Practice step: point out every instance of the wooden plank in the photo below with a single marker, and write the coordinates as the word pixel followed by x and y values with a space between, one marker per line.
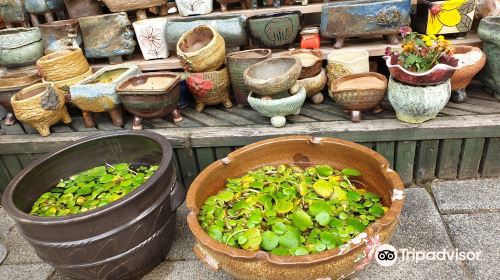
pixel 249 114
pixel 187 122
pixel 14 129
pixel 473 108
pixel 77 124
pixel 485 103
pixel 187 164
pixel 478 92
pixel 331 108
pixel 367 144
pixel 455 112
pixel 205 157
pixel 104 123
pixel 299 119
pixel 60 128
pixel 237 120
pixel 386 149
pixel 490 166
pixel 29 129
pixel 12 164
pixel 448 158
pixel 222 152
pixel 4 176
pixel 405 160
pixel 26 159
pixel 425 162
pixel 158 123
pixel 203 118
pixel 470 158
pixel 319 115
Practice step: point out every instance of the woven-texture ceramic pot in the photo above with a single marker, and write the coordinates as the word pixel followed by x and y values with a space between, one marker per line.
pixel 473 60
pixel 62 65
pixel 489 32
pixel 210 88
pixel 417 104
pixel 20 46
pixel 337 263
pixel 201 49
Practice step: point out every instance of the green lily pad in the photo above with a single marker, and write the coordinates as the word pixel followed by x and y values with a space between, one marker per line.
pixel 324 170
pixel 376 211
pixel 253 239
pixel 323 188
pixel 323 218
pixel 283 206
pixel 301 220
pixel 270 240
pixel 350 172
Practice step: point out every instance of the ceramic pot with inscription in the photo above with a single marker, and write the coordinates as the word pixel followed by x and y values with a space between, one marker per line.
pixel 274 30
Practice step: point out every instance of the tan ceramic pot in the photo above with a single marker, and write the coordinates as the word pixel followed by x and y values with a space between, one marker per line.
pixel 473 59
pixel 303 151
pixel 312 62
pixel 272 76
pixel 314 86
pixel 210 88
pixel 62 65
pixel 201 49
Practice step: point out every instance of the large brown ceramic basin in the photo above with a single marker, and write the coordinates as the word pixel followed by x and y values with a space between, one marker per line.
pixel 304 151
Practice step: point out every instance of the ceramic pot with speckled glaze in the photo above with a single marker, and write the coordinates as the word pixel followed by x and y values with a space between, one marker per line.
pixel 210 88
pixel 20 46
pixel 275 30
pixel 489 32
pixel 417 104
pixel 44 8
pixel 304 151
pixel 472 61
pixel 13 13
pixel 61 35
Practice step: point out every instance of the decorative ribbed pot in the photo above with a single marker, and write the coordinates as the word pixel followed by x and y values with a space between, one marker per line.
pixel 13 13
pixel 61 35
pixel 152 37
pixel 83 8
pixel 417 104
pixel 20 46
pixel 488 31
pixel 194 7
pixel 210 88
pixel 237 63
pixel 44 8
pixel 97 93
pixel 314 86
pixel 274 30
pixel 201 49
pixel 40 106
pixel 107 36
pixel 472 61
pixel 62 65
pixel 151 96
pixel 139 6
pixel 338 263
pixel 10 84
pixel 312 61
pixel 121 240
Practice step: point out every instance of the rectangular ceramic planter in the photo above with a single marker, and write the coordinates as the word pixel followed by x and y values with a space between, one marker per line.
pixel 152 37
pixel 275 30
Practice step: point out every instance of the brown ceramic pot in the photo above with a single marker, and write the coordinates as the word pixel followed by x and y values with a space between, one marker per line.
pixel 303 151
pixel 60 35
pixel 314 86
pixel 10 84
pixel 473 59
pixel 83 8
pixel 312 61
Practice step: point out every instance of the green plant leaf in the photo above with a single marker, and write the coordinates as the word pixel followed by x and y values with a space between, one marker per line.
pixel 376 210
pixel 354 196
pixel 351 172
pixel 323 218
pixel 324 170
pixel 270 240
pixel 279 228
pixel 283 206
pixel 253 239
pixel 356 224
pixel 290 239
pixel 301 220
pixel 301 251
pixel 106 178
pixel 319 206
pixel 323 188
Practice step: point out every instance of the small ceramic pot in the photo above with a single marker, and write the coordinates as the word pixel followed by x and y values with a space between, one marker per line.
pixel 139 6
pixel 40 106
pixel 312 62
pixel 107 36
pixel 62 65
pixel 488 31
pixel 10 84
pixel 194 7
pixel 45 8
pixel 359 92
pixel 346 62
pixel 237 63
pixel 274 30
pixel 417 104
pixel 440 73
pixel 97 93
pixel 20 46
pixel 210 88
pixel 201 49
pixel 472 61
pixel 272 76
pixel 245 4
pixel 151 96
pixel 314 86
pixel 277 109
pixel 83 8
pixel 63 86
pixel 310 38
pixel 341 20
pixel 12 12
pixel 152 37
pixel 61 35
pixel 230 27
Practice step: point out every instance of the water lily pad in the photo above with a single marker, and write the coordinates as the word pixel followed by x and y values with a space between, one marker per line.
pixel 323 218
pixel 270 240
pixel 324 170
pixel 323 188
pixel 376 210
pixel 301 220
pixel 283 206
pixel 253 239
pixel 279 228
pixel 350 172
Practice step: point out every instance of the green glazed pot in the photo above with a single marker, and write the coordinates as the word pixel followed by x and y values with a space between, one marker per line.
pixel 20 46
pixel 274 30
pixel 489 32
pixel 417 104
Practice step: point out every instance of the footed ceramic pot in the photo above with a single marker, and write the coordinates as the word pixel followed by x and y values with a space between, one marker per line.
pixel 210 88
pixel 304 151
pixel 10 84
pixel 97 93
pixel 152 37
pixel 488 31
pixel 83 8
pixel 62 65
pixel 139 6
pixel 288 103
pixel 312 61
pixel 237 63
pixel 40 106
pixel 13 13
pixel 314 86
pixel 472 61
pixel 201 49
pixel 63 86
pixel 151 96
pixel 417 104
pixel 346 62
pixel 20 46
pixel 61 35
pixel 194 7
pixel 345 19
pixel 274 30
pixel 46 8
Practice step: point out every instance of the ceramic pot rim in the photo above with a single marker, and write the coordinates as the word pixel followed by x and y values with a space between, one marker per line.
pixel 205 48
pixel 275 14
pixel 207 17
pixel 58 55
pixel 330 57
pixel 317 53
pixel 440 66
pixel 468 49
pixel 59 23
pixel 128 66
pixel 175 81
pixel 202 237
pixel 35 36
pixel 146 20
pixel 86 19
pixel 77 78
pixel 30 88
pixel 334 85
pixel 266 52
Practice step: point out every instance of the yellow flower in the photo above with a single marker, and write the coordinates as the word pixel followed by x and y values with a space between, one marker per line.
pixel 445 14
pixel 428 43
pixel 441 38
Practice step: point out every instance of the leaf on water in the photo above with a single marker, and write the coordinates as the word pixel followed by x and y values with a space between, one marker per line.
pixel 354 196
pixel 279 228
pixel 270 240
pixel 323 218
pixel 301 220
pixel 324 170
pixel 253 239
pixel 323 188
pixel 283 206
pixel 376 210
pixel 350 172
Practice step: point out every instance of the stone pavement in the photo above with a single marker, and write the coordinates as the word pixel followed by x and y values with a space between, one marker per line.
pixel 450 215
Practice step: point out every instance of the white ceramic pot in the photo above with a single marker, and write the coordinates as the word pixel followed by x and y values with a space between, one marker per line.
pixel 346 62
pixel 194 7
pixel 152 37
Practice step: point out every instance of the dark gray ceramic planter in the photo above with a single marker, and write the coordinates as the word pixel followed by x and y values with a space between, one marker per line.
pixel 489 32
pixel 275 30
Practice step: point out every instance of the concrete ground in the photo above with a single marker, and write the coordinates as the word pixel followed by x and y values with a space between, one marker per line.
pixel 449 215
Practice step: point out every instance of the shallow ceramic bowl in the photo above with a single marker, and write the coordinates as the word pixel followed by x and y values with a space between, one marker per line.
pixel 20 46
pixel 351 97
pixel 473 59
pixel 273 76
pixel 437 75
pixel 310 68
pixel 304 151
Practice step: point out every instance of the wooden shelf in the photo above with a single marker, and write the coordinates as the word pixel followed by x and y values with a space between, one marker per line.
pixel 375 47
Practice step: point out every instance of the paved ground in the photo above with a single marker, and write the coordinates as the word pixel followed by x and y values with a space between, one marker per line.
pixel 450 215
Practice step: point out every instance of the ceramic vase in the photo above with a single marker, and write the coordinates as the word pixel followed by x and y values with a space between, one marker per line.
pixel 274 30
pixel 46 8
pixel 83 8
pixel 194 7
pixel 489 32
pixel 61 35
pixel 13 13
pixel 20 46
pixel 345 62
pixel 152 37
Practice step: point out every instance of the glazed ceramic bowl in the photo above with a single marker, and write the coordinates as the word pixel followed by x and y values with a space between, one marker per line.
pixel 201 49
pixel 472 61
pixel 274 30
pixel 304 151
pixel 312 61
pixel 20 46
pixel 314 86
pixel 273 76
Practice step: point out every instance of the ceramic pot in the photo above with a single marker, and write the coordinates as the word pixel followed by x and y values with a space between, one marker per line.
pixel 63 86
pixel 486 8
pixel 345 19
pixel 310 38
pixel 303 151
pixel 107 36
pixel 151 96
pixel 245 4
pixel 210 88
pixel 417 104
pixel 488 31
pixel 10 84
pixel 472 61
pixel 40 106
pixel 122 240
pixel 444 17
pixel 359 92
pixel 45 8
pixel 273 76
pixel 314 86
pixel 97 93
pixel 130 5
pixel 346 62
pixel 61 35
pixel 274 30
pixel 237 63
pixel 230 27
pixel 83 8
pixel 194 7
pixel 201 49
pixel 12 12
pixel 152 37
pixel 312 62
pixel 20 46
pixel 62 65
pixel 277 109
